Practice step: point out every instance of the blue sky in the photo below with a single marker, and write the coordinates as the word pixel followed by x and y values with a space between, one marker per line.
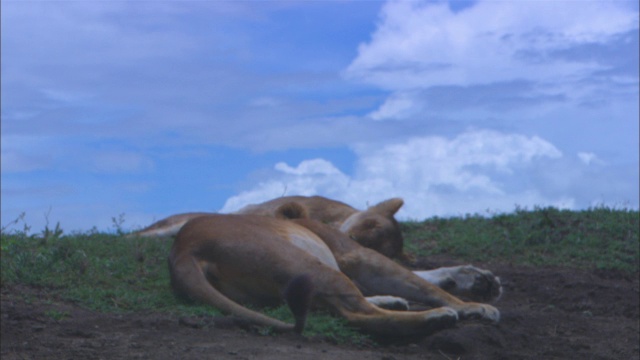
pixel 150 108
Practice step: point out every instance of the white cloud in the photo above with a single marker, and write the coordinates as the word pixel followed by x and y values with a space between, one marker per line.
pixel 435 175
pixel 309 167
pixel 538 52
pixel 587 157
pixel 121 162
pixel 432 161
pixel 420 44
pixel 397 106
pixel 308 178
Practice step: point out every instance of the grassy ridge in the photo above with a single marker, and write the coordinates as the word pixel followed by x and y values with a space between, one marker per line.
pixel 595 238
pixel 108 272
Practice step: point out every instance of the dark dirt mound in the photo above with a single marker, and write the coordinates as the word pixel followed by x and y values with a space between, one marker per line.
pixel 547 313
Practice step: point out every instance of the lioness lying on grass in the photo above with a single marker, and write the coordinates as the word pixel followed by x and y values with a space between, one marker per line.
pixel 375 228
pixel 228 260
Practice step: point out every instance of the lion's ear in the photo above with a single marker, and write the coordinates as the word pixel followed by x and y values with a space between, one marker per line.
pixel 291 210
pixel 388 207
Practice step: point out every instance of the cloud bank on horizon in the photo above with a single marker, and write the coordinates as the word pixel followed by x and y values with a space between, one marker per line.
pixel 434 174
pixel 150 109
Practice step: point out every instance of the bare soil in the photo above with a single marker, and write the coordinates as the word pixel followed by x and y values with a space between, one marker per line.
pixel 547 313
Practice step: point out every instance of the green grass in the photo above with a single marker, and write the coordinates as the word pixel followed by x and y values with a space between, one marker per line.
pixel 110 273
pixel 601 238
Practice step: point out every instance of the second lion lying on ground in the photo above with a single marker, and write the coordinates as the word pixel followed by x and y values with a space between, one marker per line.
pixel 229 260
pixel 374 228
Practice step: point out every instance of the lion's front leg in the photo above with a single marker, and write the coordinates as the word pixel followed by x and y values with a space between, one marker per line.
pixel 374 274
pixel 465 281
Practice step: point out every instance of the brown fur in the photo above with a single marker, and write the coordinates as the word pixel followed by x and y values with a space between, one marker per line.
pixel 225 260
pixel 375 228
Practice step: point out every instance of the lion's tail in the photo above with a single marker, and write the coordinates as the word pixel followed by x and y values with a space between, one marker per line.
pixel 298 295
pixel 187 278
pixel 167 227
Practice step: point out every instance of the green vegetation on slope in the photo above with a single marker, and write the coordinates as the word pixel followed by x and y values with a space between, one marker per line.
pixel 596 238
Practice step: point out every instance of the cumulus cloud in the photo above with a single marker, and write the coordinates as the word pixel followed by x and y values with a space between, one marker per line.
pixel 432 161
pixel 435 175
pixel 420 44
pixel 310 177
pixel 549 46
pixel 309 167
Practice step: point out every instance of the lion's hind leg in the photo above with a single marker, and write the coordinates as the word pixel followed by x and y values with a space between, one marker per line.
pixel 188 279
pixel 403 323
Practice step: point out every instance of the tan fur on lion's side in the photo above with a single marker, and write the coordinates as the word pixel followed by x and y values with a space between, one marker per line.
pixel 375 228
pixel 229 260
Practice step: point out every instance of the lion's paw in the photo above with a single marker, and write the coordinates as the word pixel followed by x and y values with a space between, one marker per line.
pixel 472 283
pixel 389 302
pixel 479 312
